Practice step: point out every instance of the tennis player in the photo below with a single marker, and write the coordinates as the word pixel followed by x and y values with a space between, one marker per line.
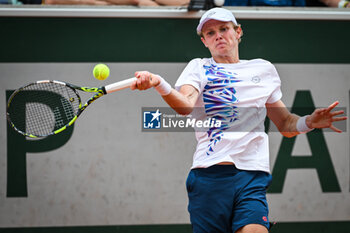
pixel 230 172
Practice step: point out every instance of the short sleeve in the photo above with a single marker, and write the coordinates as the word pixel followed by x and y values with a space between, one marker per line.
pixel 191 75
pixel 276 93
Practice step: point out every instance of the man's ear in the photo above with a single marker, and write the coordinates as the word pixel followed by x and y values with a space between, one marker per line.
pixel 239 32
pixel 204 42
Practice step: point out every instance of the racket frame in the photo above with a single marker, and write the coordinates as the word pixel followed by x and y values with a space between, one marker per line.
pixel 100 91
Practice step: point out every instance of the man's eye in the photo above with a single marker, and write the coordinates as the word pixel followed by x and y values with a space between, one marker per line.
pixel 223 29
pixel 210 33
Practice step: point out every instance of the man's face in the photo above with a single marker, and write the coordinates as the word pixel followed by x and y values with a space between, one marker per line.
pixel 220 37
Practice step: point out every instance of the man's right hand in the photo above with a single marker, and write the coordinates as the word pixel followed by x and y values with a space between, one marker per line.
pixel 145 80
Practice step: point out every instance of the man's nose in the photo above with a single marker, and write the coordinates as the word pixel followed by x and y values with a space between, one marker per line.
pixel 218 36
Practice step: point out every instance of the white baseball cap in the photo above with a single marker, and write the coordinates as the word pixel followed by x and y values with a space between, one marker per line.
pixel 216 13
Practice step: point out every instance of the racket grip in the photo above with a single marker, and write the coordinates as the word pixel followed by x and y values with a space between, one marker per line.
pixel 119 85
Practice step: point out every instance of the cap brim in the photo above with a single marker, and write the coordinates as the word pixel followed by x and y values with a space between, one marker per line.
pixel 201 24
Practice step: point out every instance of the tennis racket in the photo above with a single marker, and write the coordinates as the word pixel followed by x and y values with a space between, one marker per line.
pixel 48 107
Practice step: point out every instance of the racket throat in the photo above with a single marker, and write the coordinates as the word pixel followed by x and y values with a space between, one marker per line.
pixel 104 90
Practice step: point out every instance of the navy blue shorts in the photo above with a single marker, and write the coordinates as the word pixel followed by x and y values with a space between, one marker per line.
pixel 223 198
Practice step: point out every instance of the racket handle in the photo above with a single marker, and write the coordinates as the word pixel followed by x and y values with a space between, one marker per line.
pixel 119 85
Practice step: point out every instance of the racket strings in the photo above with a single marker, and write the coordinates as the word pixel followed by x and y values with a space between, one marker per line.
pixel 42 108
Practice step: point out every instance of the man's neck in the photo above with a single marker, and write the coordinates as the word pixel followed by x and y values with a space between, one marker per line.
pixel 226 59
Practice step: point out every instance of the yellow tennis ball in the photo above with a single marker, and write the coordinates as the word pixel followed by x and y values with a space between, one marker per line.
pixel 101 71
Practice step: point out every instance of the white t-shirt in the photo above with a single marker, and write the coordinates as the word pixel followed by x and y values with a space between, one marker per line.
pixel 234 94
